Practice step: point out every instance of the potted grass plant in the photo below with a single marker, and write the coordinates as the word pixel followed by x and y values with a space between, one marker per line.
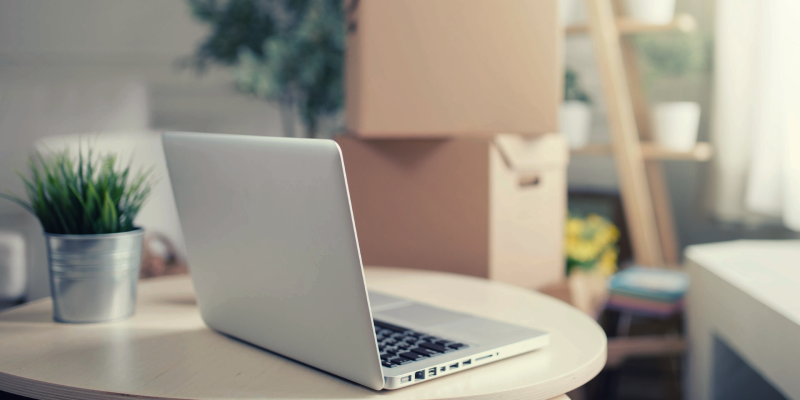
pixel 87 206
pixel 575 114
pixel 667 58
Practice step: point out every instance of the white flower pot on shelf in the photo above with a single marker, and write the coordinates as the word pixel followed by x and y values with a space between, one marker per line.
pixel 575 118
pixel 656 12
pixel 675 124
pixel 572 12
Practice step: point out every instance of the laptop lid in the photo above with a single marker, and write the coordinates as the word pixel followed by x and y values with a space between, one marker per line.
pixel 272 247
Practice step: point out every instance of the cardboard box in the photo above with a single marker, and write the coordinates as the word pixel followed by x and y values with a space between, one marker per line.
pixel 488 207
pixel 421 68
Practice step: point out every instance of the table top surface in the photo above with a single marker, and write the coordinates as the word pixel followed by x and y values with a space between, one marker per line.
pixel 766 270
pixel 165 350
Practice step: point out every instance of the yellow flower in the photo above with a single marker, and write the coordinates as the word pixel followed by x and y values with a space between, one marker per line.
pixel 575 227
pixel 592 241
pixel 607 264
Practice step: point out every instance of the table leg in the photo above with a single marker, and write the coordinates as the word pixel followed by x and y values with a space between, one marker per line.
pixel 697 376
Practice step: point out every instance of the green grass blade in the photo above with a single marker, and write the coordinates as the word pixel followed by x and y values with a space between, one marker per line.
pixel 84 195
pixel 19 201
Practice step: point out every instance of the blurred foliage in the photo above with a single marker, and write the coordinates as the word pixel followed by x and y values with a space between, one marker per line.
pixel 591 243
pixel 673 54
pixel 291 51
pixel 83 196
pixel 572 87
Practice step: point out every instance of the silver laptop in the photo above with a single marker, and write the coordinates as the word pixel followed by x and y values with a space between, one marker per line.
pixel 275 262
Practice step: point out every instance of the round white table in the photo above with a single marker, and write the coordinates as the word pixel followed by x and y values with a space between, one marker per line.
pixel 165 350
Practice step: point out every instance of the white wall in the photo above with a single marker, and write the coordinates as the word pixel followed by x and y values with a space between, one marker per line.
pixel 131 38
pixel 96 27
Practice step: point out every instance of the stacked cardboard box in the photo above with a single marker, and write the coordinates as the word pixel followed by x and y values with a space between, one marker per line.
pixel 430 87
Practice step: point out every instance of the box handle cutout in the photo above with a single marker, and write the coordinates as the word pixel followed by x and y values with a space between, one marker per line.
pixel 529 181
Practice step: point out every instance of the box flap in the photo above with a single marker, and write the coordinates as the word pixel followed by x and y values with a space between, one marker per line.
pixel 533 153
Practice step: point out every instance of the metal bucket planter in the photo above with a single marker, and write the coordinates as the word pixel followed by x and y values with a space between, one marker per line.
pixel 93 277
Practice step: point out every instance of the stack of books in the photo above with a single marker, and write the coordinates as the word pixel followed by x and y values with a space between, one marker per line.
pixel 648 291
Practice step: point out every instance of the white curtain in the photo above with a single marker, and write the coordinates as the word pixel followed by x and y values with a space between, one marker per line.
pixel 756 118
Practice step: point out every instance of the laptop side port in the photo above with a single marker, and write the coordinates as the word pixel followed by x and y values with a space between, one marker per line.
pixel 483 358
pixel 454 366
pixel 431 371
pixel 419 375
pixel 405 379
pixel 442 369
pixel 466 362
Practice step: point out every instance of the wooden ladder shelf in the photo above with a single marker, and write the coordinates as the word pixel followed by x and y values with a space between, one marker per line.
pixel 645 197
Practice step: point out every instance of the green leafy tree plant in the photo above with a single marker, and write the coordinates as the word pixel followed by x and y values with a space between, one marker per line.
pixel 90 195
pixel 290 51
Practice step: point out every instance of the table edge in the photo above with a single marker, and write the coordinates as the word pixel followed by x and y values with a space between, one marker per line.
pixel 33 388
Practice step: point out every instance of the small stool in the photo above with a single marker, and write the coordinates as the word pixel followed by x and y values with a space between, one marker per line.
pixel 656 296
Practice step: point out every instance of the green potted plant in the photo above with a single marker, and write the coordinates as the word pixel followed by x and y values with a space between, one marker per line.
pixel 87 207
pixel 287 51
pixel 575 115
pixel 671 56
pixel 590 245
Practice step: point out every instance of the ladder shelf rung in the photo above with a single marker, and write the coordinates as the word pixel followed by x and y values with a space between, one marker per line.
pixel 626 26
pixel 651 151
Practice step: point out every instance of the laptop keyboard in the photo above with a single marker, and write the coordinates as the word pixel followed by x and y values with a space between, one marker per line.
pixel 400 345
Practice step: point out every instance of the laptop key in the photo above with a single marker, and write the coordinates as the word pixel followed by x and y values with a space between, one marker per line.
pixel 412 356
pixel 384 325
pixel 424 351
pixel 393 339
pixel 398 360
pixel 429 345
pixel 387 364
